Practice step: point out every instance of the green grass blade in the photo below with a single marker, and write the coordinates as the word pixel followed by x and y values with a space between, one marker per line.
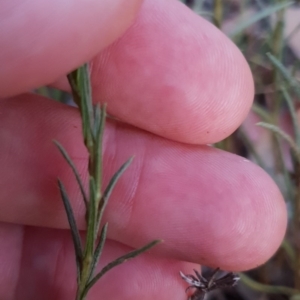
pixel 261 112
pixel 250 147
pixel 293 114
pixel 239 28
pixel 265 288
pixel 290 252
pixel 74 169
pixel 283 135
pixel 286 74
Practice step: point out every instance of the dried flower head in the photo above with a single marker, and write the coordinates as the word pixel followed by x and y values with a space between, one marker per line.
pixel 204 285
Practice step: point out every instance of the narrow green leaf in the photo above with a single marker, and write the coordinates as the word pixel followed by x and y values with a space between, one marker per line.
pixel 99 121
pixel 83 77
pixel 72 223
pixel 99 248
pixel 121 260
pixel 290 251
pixel 239 28
pixel 85 87
pixel 261 112
pixel 72 78
pixel 293 114
pixel 285 73
pixel 113 181
pixel 218 13
pixel 74 169
pixel 100 118
pixel 265 288
pixel 249 145
pixel 116 177
pixel 91 226
pixel 102 124
pixel 81 89
pixel 283 135
pixel 76 92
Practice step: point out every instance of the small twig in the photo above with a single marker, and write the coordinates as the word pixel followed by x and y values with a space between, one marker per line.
pixel 93 121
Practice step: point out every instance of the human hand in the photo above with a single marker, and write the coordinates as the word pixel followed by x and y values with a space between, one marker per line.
pixel 185 84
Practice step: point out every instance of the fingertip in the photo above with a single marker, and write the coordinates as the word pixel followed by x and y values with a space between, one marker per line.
pixel 249 222
pixel 176 75
pixel 43 40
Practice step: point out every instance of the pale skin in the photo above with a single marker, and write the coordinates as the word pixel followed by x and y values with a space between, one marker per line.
pixel 171 74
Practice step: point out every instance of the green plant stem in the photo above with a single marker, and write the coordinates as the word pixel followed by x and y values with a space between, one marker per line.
pixel 93 121
pixel 218 13
pixel 277 46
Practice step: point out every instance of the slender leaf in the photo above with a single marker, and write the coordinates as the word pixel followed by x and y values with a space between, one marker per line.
pixel 75 90
pixel 91 226
pixel 283 135
pixel 265 288
pixel 249 145
pixel 261 112
pixel 290 251
pixel 74 169
pixel 83 77
pixel 121 260
pixel 287 188
pixel 113 181
pixel 99 129
pixel 285 73
pixel 99 248
pixel 239 28
pixel 293 114
pixel 218 12
pixel 72 223
pixel 97 119
pixel 80 84
pixel 73 80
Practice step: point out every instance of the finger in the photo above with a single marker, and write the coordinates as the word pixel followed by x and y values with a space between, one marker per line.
pixel 40 264
pixel 42 40
pixel 176 75
pixel 208 206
